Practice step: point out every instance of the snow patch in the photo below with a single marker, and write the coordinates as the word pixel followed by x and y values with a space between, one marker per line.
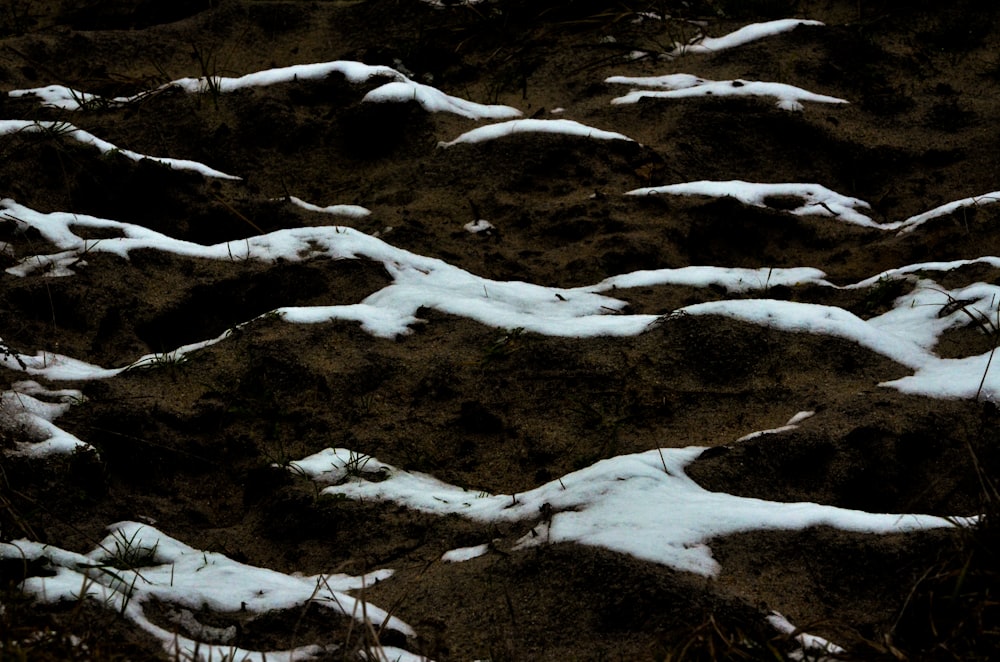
pixel 349 211
pixel 682 86
pixel 165 570
pixel 9 127
pixel 27 412
pixel 562 127
pixel 642 504
pixel 814 199
pixel 810 644
pixel 475 227
pixel 400 88
pixel 465 553
pixel 744 35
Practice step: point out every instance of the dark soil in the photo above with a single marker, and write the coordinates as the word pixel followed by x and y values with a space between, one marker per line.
pixel 192 446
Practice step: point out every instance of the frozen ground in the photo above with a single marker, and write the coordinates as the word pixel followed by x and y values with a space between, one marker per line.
pixel 363 330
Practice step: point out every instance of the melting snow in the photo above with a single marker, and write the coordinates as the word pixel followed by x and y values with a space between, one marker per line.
pixel 816 200
pixel 810 643
pixel 642 504
pixel 9 127
pixel 733 279
pixel 399 89
pixel 945 209
pixel 465 553
pixel 136 564
pixel 451 3
pixel 682 86
pixel 349 211
pixel 27 411
pixel 744 35
pixel 581 312
pixel 475 227
pixel 564 127
pixel 418 281
pixel 792 424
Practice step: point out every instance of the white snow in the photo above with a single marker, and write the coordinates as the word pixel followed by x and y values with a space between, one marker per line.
pixel 820 320
pixel 60 96
pixel 418 281
pixel 399 88
pixel 465 553
pixel 348 211
pixel 909 269
pixel 452 3
pixel 954 378
pixel 819 200
pixel 816 200
pixel 185 578
pixel 57 367
pixel 733 279
pixel 435 101
pixel 27 412
pixel 562 127
pixel 10 127
pixel 945 209
pixel 475 227
pixel 810 643
pixel 642 504
pixel 667 82
pixel 918 314
pixel 906 334
pixel 744 35
pixel 792 424
pixel 682 86
pixel 354 72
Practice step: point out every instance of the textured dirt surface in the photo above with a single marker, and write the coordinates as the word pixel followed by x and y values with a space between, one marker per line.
pixel 193 446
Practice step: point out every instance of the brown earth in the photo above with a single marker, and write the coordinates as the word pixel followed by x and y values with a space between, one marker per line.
pixel 192 446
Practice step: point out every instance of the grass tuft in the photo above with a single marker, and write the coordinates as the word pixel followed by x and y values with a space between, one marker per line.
pixel 953 612
pixel 720 637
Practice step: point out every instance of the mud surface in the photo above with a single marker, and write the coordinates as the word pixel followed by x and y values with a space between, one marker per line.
pixel 192 446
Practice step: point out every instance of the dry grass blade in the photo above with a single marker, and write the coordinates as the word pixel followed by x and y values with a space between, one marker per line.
pixel 235 212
